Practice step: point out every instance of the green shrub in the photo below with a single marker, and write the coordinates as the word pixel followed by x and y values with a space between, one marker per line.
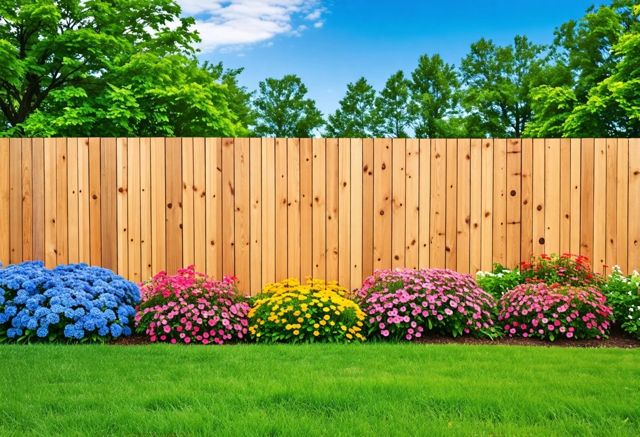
pixel 623 294
pixel 499 281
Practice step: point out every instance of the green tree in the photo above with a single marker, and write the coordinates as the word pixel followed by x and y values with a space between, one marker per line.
pixel 498 81
pixel 433 88
pixel 282 109
pixel 97 67
pixel 356 117
pixel 392 107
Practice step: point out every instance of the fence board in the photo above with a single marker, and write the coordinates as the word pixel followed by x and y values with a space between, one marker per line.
pixel 412 208
pixel 27 200
pixel 344 211
pixel 266 209
pixel 398 198
pixel 38 200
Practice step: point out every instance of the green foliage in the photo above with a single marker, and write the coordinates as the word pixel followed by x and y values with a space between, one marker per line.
pixel 434 85
pixel 551 107
pixel 357 116
pixel 112 68
pixel 499 281
pixel 282 109
pixel 498 81
pixel 392 106
pixel 623 294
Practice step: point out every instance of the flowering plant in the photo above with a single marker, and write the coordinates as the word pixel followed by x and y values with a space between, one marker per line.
pixel 73 302
pixel 554 311
pixel 190 307
pixel 316 311
pixel 565 269
pixel 499 281
pixel 623 294
pixel 405 303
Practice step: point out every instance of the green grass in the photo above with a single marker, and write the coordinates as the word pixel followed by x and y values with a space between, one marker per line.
pixel 374 389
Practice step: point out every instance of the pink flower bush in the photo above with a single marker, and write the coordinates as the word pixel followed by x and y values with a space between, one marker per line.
pixel 190 307
pixel 553 311
pixel 406 304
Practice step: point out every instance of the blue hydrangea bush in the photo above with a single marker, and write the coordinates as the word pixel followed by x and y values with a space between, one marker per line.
pixel 74 303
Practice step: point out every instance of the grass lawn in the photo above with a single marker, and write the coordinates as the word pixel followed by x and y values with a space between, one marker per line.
pixel 373 389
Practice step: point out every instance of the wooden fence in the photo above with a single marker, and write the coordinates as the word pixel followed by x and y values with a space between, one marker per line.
pixel 266 209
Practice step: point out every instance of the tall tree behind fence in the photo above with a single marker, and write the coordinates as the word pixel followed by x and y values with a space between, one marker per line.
pixel 267 209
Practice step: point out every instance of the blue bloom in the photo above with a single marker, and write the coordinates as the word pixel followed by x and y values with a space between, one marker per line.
pixel 42 332
pixel 69 330
pixel 116 330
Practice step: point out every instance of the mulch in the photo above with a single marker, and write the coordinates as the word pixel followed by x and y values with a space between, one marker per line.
pixel 616 339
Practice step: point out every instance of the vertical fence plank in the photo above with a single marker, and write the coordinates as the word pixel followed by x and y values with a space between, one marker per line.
pixel 62 218
pixel 424 234
pixel 242 215
pixel 486 258
pixel 552 196
pixel 475 235
pixel 412 207
pixel 514 194
pixel 438 202
pixel 611 218
pixel 145 210
pixel 622 209
pixel 173 212
pixel 255 193
pixel 95 204
pixel 293 207
pixel 158 205
pixel 634 210
pixel 50 207
pixel 527 205
pixel 367 207
pixel 213 150
pixel 15 200
pixel 5 203
pixel 575 182
pixel 539 152
pixel 134 223
pixel 398 200
pixel 599 204
pixel 72 199
pixel 382 204
pixel 27 200
pixel 344 212
pixel 306 208
pixel 565 196
pixel 268 210
pixel 199 205
pixel 122 175
pixel 499 201
pixel 281 223
pixel 84 240
pixel 188 251
pixel 587 172
pixel 451 205
pixel 319 245
pixel 333 231
pixel 38 199
pixel 463 205
pixel 228 207
pixel 356 214
pixel 108 200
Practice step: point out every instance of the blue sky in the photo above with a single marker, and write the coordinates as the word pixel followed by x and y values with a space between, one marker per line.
pixel 330 43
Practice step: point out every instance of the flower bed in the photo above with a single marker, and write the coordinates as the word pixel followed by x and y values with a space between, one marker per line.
pixel 565 269
pixel 405 304
pixel 316 311
pixel 190 307
pixel 553 311
pixel 70 302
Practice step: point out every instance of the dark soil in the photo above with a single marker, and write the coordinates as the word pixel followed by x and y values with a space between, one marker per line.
pixel 615 340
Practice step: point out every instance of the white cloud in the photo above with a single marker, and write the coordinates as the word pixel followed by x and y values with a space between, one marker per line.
pixel 233 23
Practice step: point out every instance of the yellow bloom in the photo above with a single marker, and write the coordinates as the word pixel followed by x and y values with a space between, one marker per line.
pixel 315 325
pixel 326 317
pixel 296 332
pixel 316 333
pixel 300 320
pixel 349 336
pixel 322 322
pixel 344 328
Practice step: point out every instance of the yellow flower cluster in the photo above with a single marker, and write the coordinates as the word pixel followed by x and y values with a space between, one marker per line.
pixel 288 311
